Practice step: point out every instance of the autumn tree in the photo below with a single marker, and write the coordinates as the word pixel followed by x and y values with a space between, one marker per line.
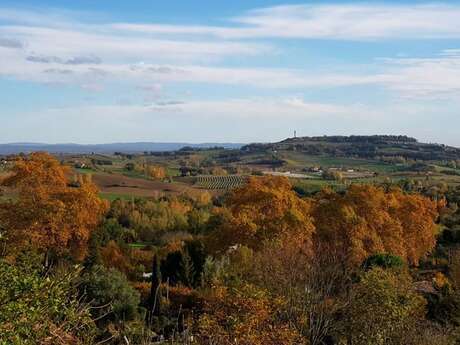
pixel 49 214
pixel 312 287
pixel 219 171
pixel 266 208
pixel 246 316
pixel 417 215
pixel 203 199
pixel 114 257
pixel 368 220
pixel 155 172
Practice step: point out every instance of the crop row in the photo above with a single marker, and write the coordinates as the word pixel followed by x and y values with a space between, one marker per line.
pixel 220 182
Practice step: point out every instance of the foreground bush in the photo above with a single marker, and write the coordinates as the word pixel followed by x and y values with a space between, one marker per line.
pixel 40 309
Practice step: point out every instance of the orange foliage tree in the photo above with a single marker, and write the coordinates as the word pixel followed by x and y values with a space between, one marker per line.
pixel 203 199
pixel 264 209
pixel 246 316
pixel 49 214
pixel 156 172
pixel 368 220
pixel 113 256
pixel 125 259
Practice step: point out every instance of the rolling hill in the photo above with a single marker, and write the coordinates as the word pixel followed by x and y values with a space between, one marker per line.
pixel 370 147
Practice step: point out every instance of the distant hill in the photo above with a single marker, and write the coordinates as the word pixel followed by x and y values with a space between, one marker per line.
pixel 107 148
pixel 375 146
pixel 369 147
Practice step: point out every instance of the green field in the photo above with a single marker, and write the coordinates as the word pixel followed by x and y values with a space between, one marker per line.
pixel 300 160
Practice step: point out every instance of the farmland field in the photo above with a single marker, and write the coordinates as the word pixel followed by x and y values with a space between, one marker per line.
pixel 220 182
pixel 114 185
pixel 298 159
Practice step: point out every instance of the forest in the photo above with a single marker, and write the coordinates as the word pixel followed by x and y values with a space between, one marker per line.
pixel 261 264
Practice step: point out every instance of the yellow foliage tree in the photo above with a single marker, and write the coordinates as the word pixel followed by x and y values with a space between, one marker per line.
pixel 156 172
pixel 264 209
pixel 368 220
pixel 245 316
pixel 49 214
pixel 113 256
pixel 219 171
pixel 204 198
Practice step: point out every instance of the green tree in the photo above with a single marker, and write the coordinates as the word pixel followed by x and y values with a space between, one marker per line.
pixel 383 261
pixel 383 308
pixel 110 295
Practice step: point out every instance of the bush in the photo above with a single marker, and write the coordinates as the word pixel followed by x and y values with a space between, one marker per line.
pixel 383 306
pixel 110 294
pixel 383 261
pixel 444 307
pixel 38 309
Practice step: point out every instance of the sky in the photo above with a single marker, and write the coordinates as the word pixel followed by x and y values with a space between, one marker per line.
pixel 101 71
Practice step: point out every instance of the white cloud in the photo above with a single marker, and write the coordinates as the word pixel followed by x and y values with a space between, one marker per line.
pixel 66 34
pixel 407 77
pixel 425 77
pixel 287 108
pixel 238 108
pixel 36 46
pixel 317 21
pixel 339 21
pixel 139 74
pixel 67 44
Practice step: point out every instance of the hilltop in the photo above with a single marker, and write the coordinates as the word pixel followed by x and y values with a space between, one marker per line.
pixel 369 147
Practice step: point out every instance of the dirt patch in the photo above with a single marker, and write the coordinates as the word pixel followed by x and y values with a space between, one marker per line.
pixel 120 184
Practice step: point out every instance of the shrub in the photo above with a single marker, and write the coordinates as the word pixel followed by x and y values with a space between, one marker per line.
pixel 383 261
pixel 38 309
pixel 110 293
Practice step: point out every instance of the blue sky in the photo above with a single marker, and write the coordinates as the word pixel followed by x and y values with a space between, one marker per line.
pixel 115 71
